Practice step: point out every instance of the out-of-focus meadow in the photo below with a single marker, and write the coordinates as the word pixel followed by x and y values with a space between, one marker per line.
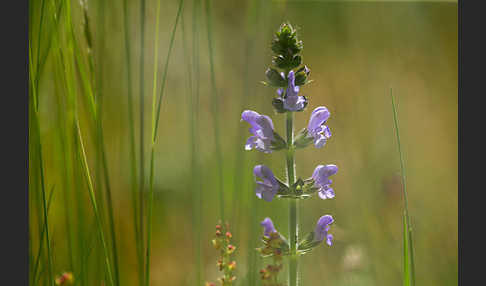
pixel 356 51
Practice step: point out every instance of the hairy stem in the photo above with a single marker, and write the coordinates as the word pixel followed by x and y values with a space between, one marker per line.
pixel 293 204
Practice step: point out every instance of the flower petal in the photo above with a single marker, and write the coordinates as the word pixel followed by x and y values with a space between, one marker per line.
pixel 329 239
pixel 266 126
pixel 329 170
pixel 267 226
pixel 321 229
pixel 263 172
pixel 267 195
pixel 318 117
pixel 320 141
pixel 250 116
pixel 326 193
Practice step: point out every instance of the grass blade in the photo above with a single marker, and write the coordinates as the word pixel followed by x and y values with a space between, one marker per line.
pixel 155 121
pixel 94 203
pixel 42 235
pixel 408 249
pixel 131 130
pixel 96 98
pixel 406 253
pixel 142 133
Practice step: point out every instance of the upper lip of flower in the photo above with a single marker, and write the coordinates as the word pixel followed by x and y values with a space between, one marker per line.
pixel 323 226
pixel 261 125
pixel 268 226
pixel 318 117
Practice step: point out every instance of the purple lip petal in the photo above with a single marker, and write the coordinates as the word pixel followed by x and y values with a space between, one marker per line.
pixel 267 226
pixel 321 176
pixel 268 187
pixel 316 127
pixel 322 227
pixel 262 130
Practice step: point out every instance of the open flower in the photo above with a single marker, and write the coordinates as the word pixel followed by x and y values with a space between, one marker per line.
pixel 269 186
pixel 316 127
pixel 322 227
pixel 268 227
pixel 262 130
pixel 292 101
pixel 321 179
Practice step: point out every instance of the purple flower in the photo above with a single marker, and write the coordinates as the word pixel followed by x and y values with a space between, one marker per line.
pixel 268 227
pixel 322 227
pixel 292 101
pixel 262 130
pixel 316 127
pixel 321 179
pixel 269 186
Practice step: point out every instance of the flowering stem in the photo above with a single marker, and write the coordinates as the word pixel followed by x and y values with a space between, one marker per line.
pixel 293 207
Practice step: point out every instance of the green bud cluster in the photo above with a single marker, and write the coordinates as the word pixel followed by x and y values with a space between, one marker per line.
pixel 286 48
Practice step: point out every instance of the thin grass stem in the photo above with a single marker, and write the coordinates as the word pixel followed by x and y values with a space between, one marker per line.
pixel 215 113
pixel 196 187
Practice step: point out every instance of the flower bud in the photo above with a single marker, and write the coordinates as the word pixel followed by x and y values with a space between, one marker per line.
pixel 232 265
pixel 301 75
pixel 65 279
pixel 216 243
pixel 229 235
pixel 275 78
pixel 231 249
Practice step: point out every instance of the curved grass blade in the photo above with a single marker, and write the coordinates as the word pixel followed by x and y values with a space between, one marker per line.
pixel 42 235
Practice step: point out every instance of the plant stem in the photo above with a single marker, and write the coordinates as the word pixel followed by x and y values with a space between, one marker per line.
pixel 293 207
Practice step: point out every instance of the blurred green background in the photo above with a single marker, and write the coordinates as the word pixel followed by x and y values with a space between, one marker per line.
pixel 356 51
